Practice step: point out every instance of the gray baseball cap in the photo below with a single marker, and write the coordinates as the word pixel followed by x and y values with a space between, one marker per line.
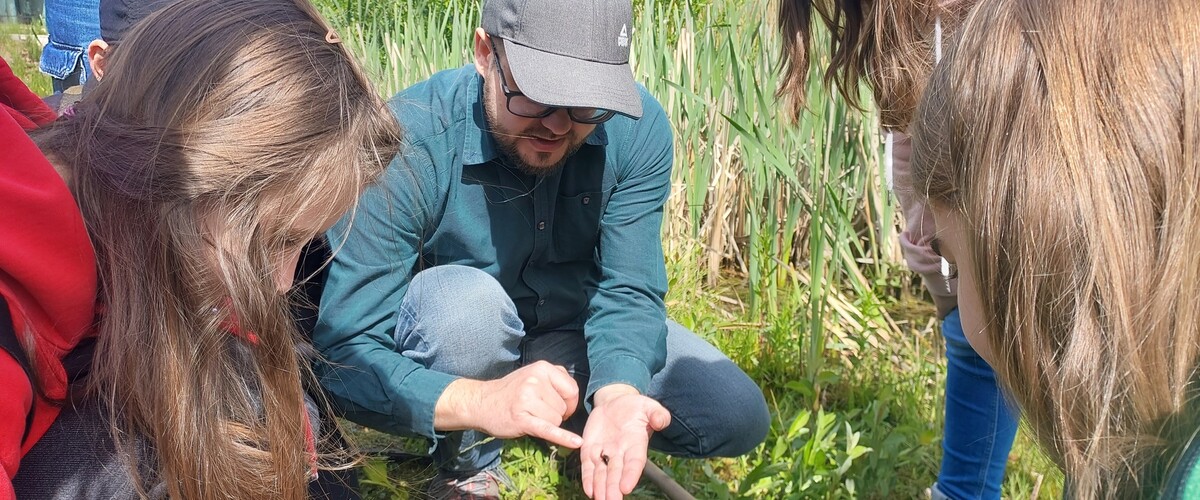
pixel 571 53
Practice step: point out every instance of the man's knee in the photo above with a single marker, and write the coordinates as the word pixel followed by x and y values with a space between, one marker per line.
pixel 459 320
pixel 737 418
pixel 725 423
pixel 748 423
pixel 460 300
pixel 728 413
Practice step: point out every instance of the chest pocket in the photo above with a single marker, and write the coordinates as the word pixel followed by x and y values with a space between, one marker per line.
pixel 577 226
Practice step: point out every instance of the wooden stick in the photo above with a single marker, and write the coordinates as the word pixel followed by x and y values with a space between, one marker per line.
pixel 665 484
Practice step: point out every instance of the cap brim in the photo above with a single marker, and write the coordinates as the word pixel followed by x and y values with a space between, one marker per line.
pixel 556 80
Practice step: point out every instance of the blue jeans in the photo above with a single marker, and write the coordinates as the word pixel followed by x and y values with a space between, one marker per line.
pixel 979 426
pixel 459 320
pixel 72 25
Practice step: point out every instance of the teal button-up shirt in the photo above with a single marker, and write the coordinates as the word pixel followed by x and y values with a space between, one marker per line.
pixel 579 248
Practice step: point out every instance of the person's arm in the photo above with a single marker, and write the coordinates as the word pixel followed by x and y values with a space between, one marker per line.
pixel 626 327
pixel 375 249
pixel 533 400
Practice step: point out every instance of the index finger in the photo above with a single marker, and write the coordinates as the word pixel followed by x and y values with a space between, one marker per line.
pixel 542 429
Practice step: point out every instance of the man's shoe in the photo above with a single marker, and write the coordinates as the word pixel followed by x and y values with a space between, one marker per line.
pixel 483 485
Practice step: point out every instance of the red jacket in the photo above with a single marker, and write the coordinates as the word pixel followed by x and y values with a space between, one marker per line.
pixel 16 101
pixel 47 273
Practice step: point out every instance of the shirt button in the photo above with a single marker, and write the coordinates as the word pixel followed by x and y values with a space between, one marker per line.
pixel 542 302
pixel 587 199
pixel 541 225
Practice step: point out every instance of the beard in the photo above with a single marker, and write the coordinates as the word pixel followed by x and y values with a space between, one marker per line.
pixel 506 140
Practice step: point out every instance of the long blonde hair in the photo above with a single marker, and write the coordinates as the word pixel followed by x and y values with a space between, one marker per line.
pixel 1066 137
pixel 242 112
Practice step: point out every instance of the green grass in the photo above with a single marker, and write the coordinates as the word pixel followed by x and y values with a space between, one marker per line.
pixel 782 251
pixel 20 48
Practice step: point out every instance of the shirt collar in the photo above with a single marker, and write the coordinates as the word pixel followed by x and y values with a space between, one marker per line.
pixel 478 145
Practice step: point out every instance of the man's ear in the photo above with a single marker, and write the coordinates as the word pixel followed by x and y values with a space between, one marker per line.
pixel 97 57
pixel 483 52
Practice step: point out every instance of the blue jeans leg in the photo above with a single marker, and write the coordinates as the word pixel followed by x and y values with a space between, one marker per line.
pixel 716 410
pixel 980 426
pixel 458 320
pixel 72 25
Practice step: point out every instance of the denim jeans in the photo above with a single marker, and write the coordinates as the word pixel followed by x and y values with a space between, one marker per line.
pixel 72 25
pixel 979 426
pixel 459 320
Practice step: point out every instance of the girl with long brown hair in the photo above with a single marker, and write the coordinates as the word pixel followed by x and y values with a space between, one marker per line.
pixel 891 45
pixel 1059 144
pixel 224 136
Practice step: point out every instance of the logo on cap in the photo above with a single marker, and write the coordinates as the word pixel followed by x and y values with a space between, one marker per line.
pixel 623 38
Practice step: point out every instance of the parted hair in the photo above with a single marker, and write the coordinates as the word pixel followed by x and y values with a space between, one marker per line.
pixel 229 114
pixel 1066 137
